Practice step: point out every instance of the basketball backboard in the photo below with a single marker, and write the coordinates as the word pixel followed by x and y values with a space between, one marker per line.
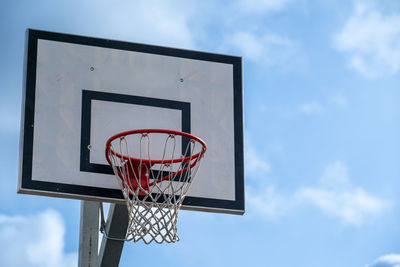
pixel 79 91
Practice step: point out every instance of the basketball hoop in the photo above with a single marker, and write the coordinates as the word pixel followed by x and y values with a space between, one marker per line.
pixel 154 175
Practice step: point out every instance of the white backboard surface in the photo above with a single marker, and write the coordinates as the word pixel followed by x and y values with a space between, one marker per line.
pixel 79 91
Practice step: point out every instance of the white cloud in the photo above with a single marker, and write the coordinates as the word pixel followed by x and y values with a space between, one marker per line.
pixel 250 45
pixel 151 21
pixel 339 100
pixel 336 196
pixel 352 207
pixel 334 101
pixel 372 39
pixel 255 162
pixel 261 199
pixel 390 260
pixel 268 203
pixel 267 49
pixel 36 240
pixel 261 6
pixel 312 108
pixel 335 176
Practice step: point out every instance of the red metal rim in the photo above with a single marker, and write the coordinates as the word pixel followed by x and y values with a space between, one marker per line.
pixel 148 131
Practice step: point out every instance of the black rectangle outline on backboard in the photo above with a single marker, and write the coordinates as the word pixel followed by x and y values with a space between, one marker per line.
pixel 89 95
pixel 29 186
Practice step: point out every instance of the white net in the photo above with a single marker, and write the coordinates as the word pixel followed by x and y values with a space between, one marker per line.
pixel 155 169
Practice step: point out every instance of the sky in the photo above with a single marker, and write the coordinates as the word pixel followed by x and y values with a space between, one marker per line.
pixel 321 84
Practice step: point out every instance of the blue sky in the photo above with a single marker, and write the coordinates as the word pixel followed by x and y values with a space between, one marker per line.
pixel 322 120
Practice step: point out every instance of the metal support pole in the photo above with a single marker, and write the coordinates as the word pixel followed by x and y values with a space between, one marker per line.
pixel 89 234
pixel 114 236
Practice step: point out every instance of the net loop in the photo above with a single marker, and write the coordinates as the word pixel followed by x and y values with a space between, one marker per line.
pixel 155 169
